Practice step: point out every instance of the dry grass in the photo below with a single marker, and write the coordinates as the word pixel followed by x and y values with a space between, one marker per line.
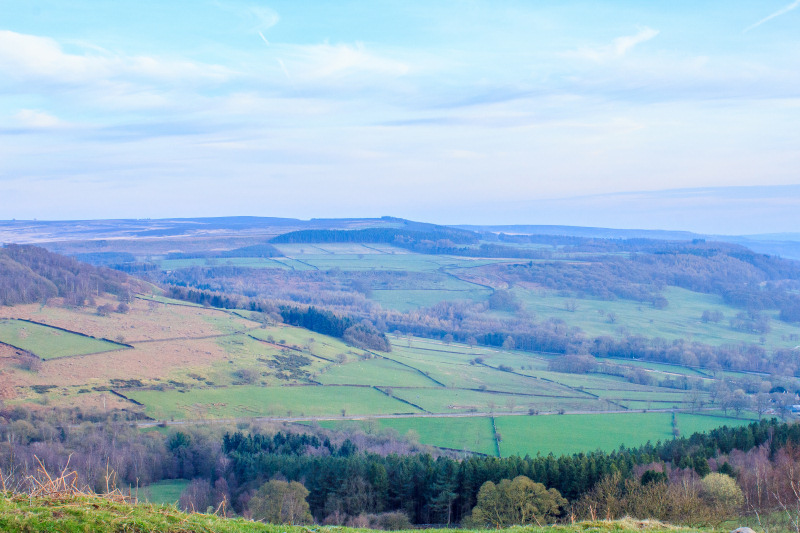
pixel 147 326
pixel 144 321
pixel 61 487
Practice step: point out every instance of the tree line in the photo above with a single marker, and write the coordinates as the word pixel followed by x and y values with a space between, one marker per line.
pixel 352 474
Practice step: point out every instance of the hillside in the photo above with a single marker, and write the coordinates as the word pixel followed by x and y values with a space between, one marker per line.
pixel 31 274
pixel 168 360
pixel 632 340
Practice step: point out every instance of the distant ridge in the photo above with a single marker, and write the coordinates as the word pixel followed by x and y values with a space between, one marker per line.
pixel 588 232
pixel 786 245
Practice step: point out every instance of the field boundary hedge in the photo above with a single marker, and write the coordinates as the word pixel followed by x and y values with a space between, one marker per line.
pixel 401 400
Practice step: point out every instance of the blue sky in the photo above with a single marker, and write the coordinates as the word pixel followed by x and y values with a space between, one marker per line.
pixel 660 114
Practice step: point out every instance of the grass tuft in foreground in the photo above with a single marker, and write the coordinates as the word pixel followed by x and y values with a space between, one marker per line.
pixel 96 513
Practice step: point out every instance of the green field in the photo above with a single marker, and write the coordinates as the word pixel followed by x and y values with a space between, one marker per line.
pixel 166 492
pixel 529 435
pixel 439 400
pixel 253 401
pixel 444 369
pixel 472 433
pixel 690 423
pixel 680 320
pixel 50 343
pixel 660 367
pixel 568 434
pixel 271 364
pixel 376 371
pixel 313 343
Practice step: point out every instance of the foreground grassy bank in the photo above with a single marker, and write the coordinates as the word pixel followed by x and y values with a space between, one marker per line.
pixel 22 513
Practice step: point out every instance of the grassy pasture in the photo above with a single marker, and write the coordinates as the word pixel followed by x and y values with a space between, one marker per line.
pixel 580 433
pixel 273 365
pixel 467 401
pixel 472 433
pixel 464 375
pixel 692 423
pixel 309 341
pixel 522 362
pixel 253 401
pixel 166 492
pixel 661 396
pixel 50 343
pixel 454 352
pixel 660 367
pixel 680 320
pixel 378 371
pixel 521 435
pixel 603 381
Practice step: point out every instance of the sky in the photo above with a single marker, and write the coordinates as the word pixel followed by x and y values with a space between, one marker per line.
pixel 671 114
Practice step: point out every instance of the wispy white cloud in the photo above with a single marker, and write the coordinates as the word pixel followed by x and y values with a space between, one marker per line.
pixel 332 60
pixel 619 47
pixel 34 118
pixel 622 45
pixel 265 18
pixel 284 69
pixel 791 7
pixel 31 58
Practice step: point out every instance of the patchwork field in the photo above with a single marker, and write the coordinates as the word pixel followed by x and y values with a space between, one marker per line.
pixel 51 343
pixel 190 362
pixel 251 401
pixel 556 434
pixel 681 319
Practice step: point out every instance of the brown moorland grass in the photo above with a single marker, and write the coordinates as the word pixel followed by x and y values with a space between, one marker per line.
pixel 145 321
pixel 154 360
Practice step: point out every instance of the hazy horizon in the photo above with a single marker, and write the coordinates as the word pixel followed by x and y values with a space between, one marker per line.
pixel 618 114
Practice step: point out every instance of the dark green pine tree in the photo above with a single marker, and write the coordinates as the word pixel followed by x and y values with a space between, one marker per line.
pixel 444 492
pixel 379 479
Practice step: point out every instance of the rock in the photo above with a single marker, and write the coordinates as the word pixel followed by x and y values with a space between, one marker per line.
pixel 743 530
